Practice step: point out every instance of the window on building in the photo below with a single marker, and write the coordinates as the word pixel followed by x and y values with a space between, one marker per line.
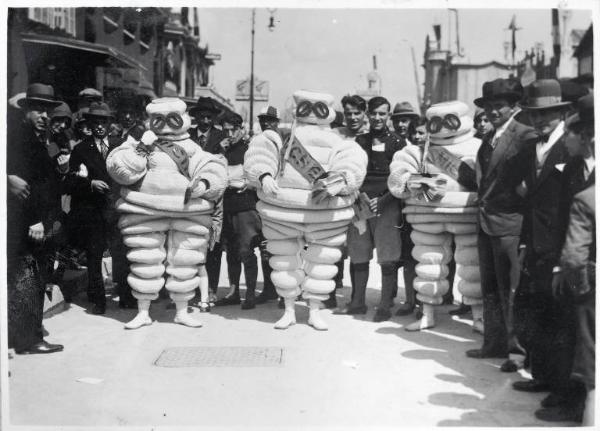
pixel 54 17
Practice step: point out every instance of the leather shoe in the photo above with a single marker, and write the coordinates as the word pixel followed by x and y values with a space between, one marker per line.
pixel 248 305
pixel 553 400
pixel 98 309
pixel 265 297
pixel 362 309
pixel 330 302
pixel 39 348
pixel 560 414
pixel 381 315
pixel 509 366
pixel 229 300
pixel 482 354
pixel 405 309
pixel 128 304
pixel 461 310
pixel 531 386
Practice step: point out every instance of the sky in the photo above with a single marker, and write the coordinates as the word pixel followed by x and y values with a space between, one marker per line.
pixel 331 50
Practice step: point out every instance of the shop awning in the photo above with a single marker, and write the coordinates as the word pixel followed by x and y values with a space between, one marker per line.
pixel 76 45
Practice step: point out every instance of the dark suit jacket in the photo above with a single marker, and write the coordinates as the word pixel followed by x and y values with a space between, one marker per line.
pixel 88 207
pixel 541 228
pixel 578 257
pixel 215 136
pixel 28 158
pixel 500 207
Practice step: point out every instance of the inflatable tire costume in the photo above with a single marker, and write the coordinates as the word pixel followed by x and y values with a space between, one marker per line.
pixel 450 215
pixel 305 235
pixel 167 199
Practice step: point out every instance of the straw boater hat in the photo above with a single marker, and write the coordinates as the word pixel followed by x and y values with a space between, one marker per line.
pixel 509 89
pixel 269 112
pixel 543 94
pixel 39 93
pixel 404 109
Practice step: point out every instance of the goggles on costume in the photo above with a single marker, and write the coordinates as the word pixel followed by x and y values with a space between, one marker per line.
pixel 449 121
pixel 320 109
pixel 159 121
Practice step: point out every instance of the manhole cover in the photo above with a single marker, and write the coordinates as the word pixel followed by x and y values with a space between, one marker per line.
pixel 237 356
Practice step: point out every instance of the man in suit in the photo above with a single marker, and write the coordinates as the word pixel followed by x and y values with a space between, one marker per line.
pixel 550 333
pixel 32 199
pixel 577 258
pixel 500 220
pixel 209 137
pixel 91 202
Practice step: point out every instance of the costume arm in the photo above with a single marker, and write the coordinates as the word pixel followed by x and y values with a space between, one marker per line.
pixel 351 161
pixel 262 157
pixel 126 164
pixel 404 163
pixel 211 169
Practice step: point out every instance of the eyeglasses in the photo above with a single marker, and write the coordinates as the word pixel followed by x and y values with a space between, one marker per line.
pixel 159 121
pixel 449 121
pixel 320 109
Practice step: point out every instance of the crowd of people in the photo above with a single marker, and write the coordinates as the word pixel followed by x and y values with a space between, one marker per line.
pixel 532 247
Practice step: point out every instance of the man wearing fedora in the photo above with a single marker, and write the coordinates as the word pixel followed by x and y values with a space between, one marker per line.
pixel 33 197
pixel 206 134
pixel 576 278
pixel 88 183
pixel 500 219
pixel 403 118
pixel 543 162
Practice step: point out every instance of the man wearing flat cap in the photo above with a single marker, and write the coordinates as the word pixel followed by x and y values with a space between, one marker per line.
pixel 550 332
pixel 500 219
pixel 33 198
pixel 88 183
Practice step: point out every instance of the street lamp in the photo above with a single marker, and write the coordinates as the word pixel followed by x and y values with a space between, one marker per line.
pixel 271 27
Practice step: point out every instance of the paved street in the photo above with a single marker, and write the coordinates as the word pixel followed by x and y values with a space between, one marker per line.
pixel 359 374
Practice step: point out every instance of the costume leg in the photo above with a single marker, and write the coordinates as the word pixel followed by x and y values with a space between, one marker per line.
pixel 186 251
pixel 322 254
pixel 287 274
pixel 467 276
pixel 146 255
pixel 432 251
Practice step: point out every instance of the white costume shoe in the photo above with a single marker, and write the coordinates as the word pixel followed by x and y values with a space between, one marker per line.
pixel 143 316
pixel 426 322
pixel 183 317
pixel 314 318
pixel 289 315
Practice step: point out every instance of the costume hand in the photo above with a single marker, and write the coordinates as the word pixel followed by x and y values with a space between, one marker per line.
pixel 36 232
pixel 149 138
pixel 100 186
pixel 269 185
pixel 199 189
pixel 18 187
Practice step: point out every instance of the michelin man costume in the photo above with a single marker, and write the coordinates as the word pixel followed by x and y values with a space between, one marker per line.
pixel 167 199
pixel 305 231
pixel 440 215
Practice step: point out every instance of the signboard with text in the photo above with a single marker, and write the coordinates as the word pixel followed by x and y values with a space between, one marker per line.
pixel 261 90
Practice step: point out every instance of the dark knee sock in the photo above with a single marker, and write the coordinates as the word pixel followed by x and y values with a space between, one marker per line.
pixel 250 273
pixel 359 285
pixel 389 284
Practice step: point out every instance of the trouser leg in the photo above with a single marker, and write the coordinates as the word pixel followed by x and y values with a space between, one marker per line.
pixel 360 278
pixel 94 248
pixel 213 266
pixel 389 283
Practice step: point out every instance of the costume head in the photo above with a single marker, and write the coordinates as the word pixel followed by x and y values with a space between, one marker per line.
pixel 448 122
pixel 313 108
pixel 168 117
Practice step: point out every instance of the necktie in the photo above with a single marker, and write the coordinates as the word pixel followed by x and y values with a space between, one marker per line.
pixel 103 149
pixel 202 139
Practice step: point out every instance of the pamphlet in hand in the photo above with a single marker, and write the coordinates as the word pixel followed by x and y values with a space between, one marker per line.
pixel 429 187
